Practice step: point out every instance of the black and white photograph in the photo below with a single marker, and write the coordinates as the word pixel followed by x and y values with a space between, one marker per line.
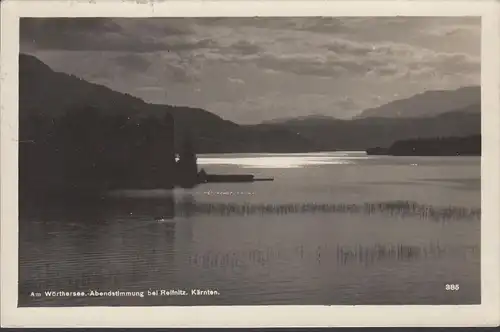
pixel 250 161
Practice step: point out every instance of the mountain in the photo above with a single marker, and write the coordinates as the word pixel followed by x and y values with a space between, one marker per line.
pixel 45 92
pixel 429 103
pixel 437 146
pixel 360 134
pixel 310 118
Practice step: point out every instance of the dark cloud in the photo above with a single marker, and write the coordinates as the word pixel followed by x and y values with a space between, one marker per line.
pixel 311 63
pixel 311 24
pixel 456 62
pixel 64 33
pixel 345 47
pixel 347 103
pixel 186 45
pixel 101 34
pixel 333 25
pixel 177 70
pixel 133 62
pixel 362 60
pixel 30 26
pixel 324 24
pixel 244 47
pixel 180 74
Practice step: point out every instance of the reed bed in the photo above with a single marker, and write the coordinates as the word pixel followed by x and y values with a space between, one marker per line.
pixel 339 255
pixel 326 255
pixel 401 209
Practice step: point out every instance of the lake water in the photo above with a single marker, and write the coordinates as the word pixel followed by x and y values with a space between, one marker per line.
pixel 332 228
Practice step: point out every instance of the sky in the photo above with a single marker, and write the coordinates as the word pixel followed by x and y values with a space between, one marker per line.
pixel 250 70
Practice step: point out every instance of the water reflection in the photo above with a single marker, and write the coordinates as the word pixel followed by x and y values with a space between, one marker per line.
pixel 279 161
pixel 333 257
pixel 396 209
pixel 317 235
pixel 302 160
pixel 136 243
pixel 100 238
pixel 336 254
pixel 186 205
pixel 102 210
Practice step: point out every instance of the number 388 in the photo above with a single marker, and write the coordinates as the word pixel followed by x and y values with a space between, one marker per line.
pixel 452 287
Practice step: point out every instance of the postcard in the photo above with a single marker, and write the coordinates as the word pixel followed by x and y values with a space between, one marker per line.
pixel 250 163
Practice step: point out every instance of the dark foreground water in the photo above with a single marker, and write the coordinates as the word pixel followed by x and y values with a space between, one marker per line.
pixel 333 228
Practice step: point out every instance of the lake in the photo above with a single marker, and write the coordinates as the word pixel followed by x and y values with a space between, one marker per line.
pixel 337 228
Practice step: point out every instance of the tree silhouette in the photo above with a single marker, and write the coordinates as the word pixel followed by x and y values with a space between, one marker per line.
pixel 187 168
pixel 85 153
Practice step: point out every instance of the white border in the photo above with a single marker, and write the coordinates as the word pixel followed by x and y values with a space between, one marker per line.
pixel 486 314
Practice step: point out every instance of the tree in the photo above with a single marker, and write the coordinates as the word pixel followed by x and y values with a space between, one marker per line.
pixel 187 168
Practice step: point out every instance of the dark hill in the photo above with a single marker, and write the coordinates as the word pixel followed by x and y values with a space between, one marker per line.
pixel 360 134
pixel 437 146
pixel 429 103
pixel 309 118
pixel 45 92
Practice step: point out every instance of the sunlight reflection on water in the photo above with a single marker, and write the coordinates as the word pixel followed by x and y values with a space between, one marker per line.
pixel 283 161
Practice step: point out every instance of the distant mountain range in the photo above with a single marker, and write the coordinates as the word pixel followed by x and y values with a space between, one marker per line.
pixel 360 134
pixel 429 103
pixel 309 118
pixel 437 113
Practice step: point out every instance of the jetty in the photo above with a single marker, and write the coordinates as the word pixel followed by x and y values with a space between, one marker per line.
pixel 228 178
pixel 188 176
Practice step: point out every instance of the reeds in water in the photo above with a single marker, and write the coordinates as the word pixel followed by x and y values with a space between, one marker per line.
pixel 328 255
pixel 400 209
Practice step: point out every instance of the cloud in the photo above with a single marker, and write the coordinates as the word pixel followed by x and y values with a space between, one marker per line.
pixel 66 25
pixel 245 48
pixel 104 34
pixel 296 47
pixel 322 65
pixel 385 60
pixel 306 64
pixel 461 26
pixel 65 33
pixel 347 103
pixel 132 62
pixel 150 88
pixel 236 80
pixel 276 104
